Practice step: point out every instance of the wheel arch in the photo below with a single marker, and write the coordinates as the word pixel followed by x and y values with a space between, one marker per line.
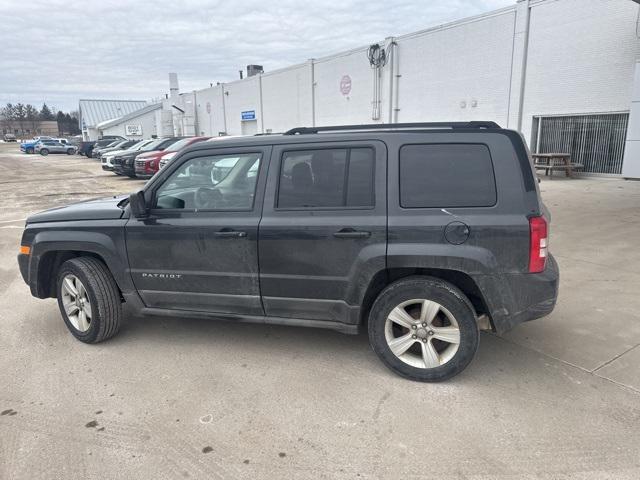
pixel 49 264
pixel 50 249
pixel 461 280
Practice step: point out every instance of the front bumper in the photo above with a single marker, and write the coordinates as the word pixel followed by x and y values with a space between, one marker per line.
pixel 23 263
pixel 124 167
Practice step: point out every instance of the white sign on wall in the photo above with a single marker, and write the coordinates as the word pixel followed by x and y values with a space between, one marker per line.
pixel 133 129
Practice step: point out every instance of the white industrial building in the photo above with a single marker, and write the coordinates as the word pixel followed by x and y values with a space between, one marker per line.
pixel 560 71
pixel 93 112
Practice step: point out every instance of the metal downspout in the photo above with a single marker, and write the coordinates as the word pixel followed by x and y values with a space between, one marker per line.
pixel 224 110
pixel 261 108
pixel 525 54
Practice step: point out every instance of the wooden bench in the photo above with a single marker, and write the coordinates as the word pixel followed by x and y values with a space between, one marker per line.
pixel 555 161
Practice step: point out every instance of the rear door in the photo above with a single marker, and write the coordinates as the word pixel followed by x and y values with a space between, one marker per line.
pixel 323 231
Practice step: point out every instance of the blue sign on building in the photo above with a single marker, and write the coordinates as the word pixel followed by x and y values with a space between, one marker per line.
pixel 248 115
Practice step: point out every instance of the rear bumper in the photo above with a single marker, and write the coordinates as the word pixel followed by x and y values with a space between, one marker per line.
pixel 516 298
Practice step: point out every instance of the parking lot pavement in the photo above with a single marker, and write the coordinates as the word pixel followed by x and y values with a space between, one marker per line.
pixel 557 398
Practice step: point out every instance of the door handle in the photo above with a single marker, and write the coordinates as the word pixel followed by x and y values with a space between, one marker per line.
pixel 351 233
pixel 228 233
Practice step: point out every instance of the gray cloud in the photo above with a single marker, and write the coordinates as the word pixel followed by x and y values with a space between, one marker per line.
pixel 59 51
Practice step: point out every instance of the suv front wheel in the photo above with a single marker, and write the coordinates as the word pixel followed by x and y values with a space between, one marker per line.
pixel 89 299
pixel 424 329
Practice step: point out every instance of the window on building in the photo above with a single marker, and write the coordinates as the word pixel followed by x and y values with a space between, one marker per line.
pixel 327 178
pixel 446 175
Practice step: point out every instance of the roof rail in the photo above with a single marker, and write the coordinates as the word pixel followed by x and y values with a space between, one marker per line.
pixel 392 126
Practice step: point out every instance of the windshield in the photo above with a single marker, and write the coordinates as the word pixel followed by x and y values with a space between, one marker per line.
pixel 179 144
pixel 152 146
pixel 138 145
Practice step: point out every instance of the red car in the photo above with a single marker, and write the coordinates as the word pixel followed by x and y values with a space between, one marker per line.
pixel 147 164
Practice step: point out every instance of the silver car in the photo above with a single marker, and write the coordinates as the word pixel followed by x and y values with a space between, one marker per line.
pixel 45 147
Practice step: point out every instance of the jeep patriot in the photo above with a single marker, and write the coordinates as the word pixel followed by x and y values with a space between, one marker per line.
pixel 421 234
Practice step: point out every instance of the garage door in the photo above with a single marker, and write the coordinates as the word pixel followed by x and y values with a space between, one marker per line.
pixel 596 141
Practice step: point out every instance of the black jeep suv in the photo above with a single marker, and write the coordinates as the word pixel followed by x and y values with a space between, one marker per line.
pixel 422 234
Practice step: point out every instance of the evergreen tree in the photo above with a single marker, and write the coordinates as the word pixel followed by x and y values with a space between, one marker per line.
pixel 46 113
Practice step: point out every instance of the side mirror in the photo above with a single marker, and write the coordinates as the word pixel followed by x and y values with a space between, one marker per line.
pixel 138 204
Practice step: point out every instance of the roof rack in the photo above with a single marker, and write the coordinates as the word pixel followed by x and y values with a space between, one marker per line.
pixel 393 126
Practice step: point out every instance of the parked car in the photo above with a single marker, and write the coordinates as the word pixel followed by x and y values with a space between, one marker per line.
pixel 45 147
pixel 124 164
pixel 85 148
pixel 120 145
pixel 29 146
pixel 148 164
pixel 107 159
pixel 422 234
pixel 103 142
pixel 10 137
pixel 98 149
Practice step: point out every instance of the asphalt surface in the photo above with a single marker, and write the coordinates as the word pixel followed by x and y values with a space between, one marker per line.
pixel 557 398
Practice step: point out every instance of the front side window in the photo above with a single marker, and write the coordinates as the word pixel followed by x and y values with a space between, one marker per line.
pixel 217 182
pixel 446 175
pixel 326 178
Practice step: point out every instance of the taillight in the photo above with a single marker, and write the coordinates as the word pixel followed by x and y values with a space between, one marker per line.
pixel 538 244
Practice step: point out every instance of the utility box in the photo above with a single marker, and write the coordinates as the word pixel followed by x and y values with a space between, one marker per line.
pixel 254 70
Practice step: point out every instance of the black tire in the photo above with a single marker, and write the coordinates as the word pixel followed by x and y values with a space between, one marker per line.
pixel 103 294
pixel 449 297
pixel 70 151
pixel 44 152
pixel 30 150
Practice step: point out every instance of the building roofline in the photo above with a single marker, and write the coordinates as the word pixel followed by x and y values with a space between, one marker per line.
pixel 129 116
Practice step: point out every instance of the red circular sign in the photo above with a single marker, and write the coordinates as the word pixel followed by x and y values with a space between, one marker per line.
pixel 345 85
pixel 208 107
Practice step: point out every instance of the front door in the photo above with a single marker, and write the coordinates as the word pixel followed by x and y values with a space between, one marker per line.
pixel 323 233
pixel 197 250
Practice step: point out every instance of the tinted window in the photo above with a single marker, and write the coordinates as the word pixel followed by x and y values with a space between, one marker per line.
pixel 219 182
pixel 339 177
pixel 446 175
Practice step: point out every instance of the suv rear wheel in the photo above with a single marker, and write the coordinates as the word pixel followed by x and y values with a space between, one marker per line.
pixel 70 151
pixel 44 151
pixel 424 329
pixel 89 299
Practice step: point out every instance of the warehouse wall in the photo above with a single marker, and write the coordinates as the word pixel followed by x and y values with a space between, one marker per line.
pixel 332 106
pixel 581 58
pixel 458 72
pixel 148 122
pixel 286 98
pixel 209 123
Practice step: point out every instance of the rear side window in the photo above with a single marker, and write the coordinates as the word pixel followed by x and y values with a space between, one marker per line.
pixel 329 178
pixel 446 175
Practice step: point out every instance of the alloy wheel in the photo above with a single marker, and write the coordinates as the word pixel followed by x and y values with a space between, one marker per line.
pixel 77 305
pixel 422 333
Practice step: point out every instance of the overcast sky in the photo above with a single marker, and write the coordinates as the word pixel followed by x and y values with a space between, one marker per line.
pixel 59 51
